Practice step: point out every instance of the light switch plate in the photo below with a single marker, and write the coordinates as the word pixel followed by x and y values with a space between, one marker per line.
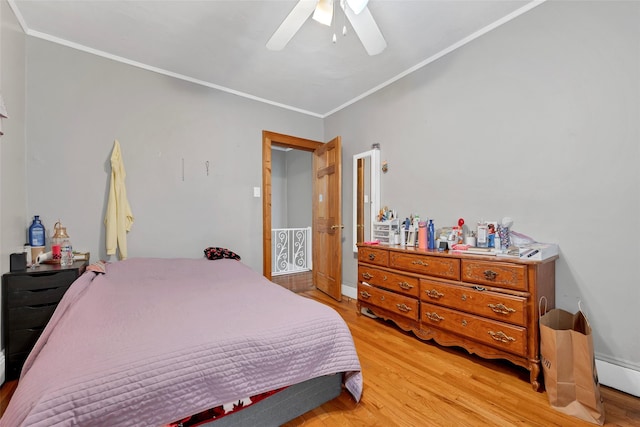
pixel 256 191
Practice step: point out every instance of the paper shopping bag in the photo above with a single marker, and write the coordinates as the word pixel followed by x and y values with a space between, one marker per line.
pixel 568 365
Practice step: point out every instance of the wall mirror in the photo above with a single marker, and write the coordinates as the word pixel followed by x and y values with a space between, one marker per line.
pixel 366 194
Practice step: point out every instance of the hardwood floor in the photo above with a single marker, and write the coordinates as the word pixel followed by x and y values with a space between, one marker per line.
pixel 296 282
pixel 408 382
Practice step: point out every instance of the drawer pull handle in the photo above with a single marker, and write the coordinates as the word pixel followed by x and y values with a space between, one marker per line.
pixel 35 291
pixel 479 288
pixel 434 316
pixel 382 298
pixel 372 256
pixel 490 275
pixel 501 308
pixel 406 286
pixel 434 294
pixel 464 323
pixel 420 262
pixel 384 277
pixel 365 294
pixel 464 297
pixel 367 275
pixel 501 336
pixel 403 307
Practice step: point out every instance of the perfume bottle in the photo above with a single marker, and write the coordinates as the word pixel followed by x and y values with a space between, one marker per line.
pixel 482 238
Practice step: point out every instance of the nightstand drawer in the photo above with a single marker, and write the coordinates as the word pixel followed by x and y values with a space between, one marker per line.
pixel 23 340
pixel 24 298
pixel 14 364
pixel 30 317
pixel 46 280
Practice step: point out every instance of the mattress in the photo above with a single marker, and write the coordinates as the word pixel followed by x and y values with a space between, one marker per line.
pixel 170 338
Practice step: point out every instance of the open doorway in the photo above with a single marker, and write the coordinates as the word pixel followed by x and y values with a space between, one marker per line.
pixel 326 208
pixel 291 212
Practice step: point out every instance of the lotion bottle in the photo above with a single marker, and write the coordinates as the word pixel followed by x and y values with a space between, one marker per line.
pixel 432 235
pixel 422 235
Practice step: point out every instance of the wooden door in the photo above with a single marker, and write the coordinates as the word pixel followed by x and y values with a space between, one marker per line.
pixel 327 218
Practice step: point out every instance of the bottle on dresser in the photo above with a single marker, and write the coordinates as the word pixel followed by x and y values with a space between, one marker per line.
pixel 432 235
pixel 482 238
pixel 36 237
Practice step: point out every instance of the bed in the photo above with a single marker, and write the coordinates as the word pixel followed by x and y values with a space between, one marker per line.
pixel 153 341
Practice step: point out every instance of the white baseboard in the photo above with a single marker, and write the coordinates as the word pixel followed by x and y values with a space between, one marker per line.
pixel 349 291
pixel 618 377
pixel 2 370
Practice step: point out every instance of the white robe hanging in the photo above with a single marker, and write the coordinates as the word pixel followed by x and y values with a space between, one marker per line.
pixel 119 218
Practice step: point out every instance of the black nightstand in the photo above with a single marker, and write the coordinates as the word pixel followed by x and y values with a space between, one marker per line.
pixel 29 299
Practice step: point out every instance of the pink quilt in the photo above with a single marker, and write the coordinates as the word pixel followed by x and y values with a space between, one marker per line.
pixel 170 338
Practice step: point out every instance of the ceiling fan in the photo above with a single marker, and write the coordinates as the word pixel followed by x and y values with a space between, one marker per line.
pixel 356 12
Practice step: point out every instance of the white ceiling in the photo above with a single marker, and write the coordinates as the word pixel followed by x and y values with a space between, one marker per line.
pixel 221 44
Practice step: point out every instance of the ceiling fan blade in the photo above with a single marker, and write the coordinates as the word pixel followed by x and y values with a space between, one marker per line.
pixel 291 24
pixel 367 30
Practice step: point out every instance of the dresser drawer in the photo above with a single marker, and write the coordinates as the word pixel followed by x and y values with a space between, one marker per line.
pixel 493 333
pixel 395 282
pixel 35 297
pixel 499 274
pixel 448 268
pixel 373 256
pixel 399 304
pixel 30 316
pixel 507 308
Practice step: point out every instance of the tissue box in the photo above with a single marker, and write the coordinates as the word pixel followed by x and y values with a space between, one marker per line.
pixel 538 251
pixel 81 256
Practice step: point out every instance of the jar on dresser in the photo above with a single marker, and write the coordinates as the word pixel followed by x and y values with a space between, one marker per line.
pixel 484 304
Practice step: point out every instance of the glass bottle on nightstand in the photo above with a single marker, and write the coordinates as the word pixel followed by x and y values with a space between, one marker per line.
pixel 61 238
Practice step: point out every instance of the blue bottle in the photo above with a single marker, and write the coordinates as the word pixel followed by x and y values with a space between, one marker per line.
pixel 36 232
pixel 432 235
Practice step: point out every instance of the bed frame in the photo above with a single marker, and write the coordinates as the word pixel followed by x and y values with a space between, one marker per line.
pixel 285 405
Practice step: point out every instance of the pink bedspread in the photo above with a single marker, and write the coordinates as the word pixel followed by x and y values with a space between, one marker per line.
pixel 170 338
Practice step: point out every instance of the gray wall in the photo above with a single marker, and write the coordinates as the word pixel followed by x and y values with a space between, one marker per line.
pixel 291 188
pixel 12 145
pixel 78 103
pixel 278 189
pixel 13 187
pixel 299 188
pixel 537 120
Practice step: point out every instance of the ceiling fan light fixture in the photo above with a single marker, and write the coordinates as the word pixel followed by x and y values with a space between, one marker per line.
pixel 357 5
pixel 324 12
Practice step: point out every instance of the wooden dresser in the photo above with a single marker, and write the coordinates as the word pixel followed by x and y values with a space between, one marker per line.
pixel 485 304
pixel 29 299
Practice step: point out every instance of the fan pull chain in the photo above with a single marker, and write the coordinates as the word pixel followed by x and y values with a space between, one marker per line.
pixel 333 4
pixel 344 18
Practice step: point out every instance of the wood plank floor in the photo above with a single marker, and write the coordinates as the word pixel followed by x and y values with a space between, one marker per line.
pixel 408 382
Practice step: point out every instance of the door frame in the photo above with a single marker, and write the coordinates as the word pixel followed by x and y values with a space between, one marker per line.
pixel 270 139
